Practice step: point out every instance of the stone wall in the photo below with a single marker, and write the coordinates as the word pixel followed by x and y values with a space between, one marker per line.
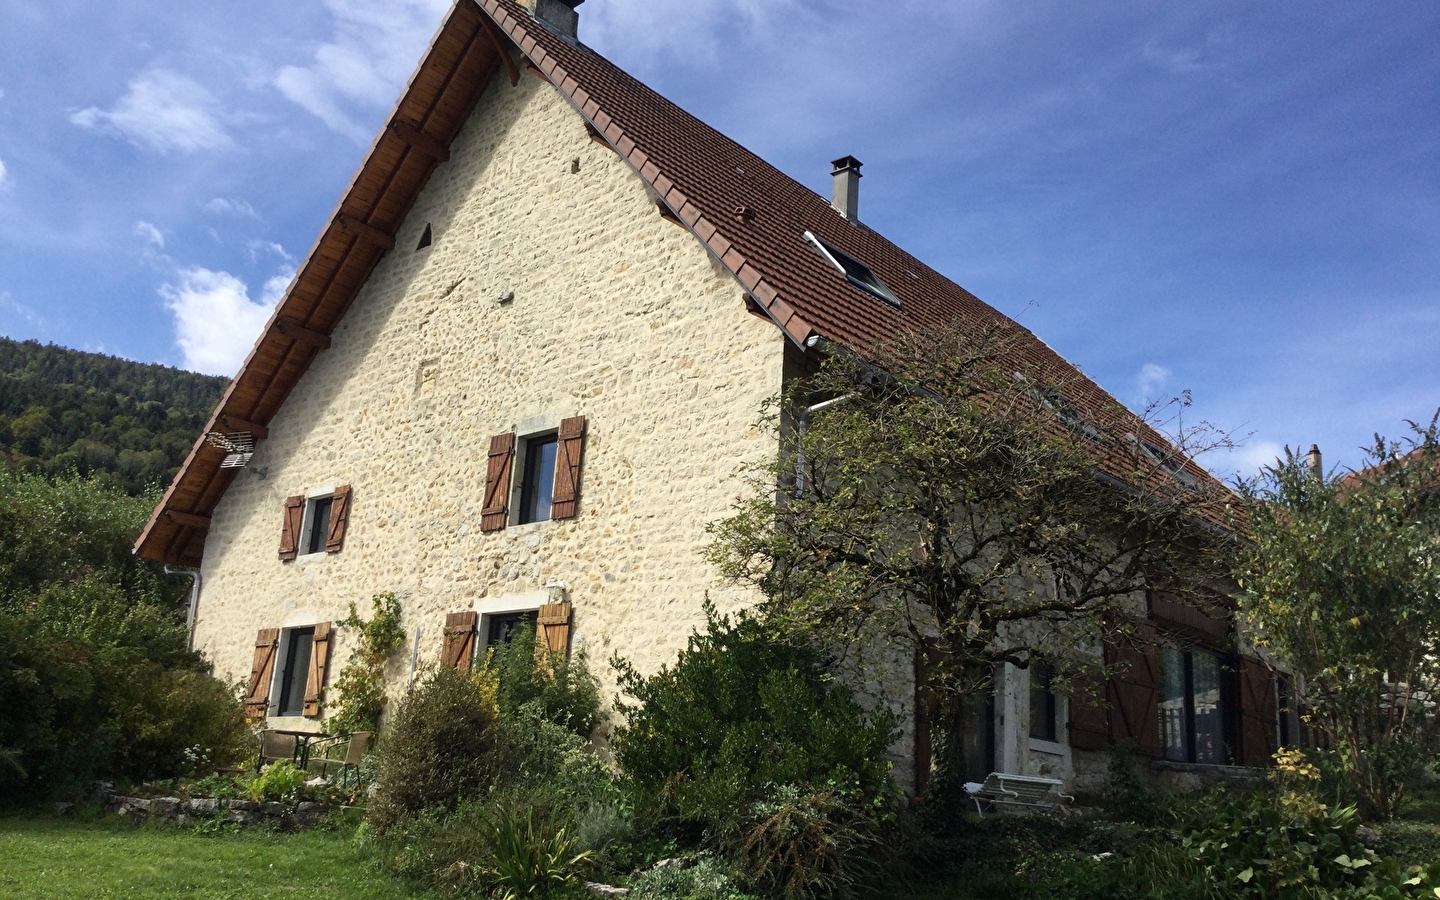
pixel 553 288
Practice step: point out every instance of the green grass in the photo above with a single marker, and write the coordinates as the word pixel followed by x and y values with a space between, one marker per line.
pixel 55 858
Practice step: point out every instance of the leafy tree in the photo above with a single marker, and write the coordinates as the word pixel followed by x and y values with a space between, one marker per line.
pixel 95 677
pixel 1341 582
pixel 946 502
pixel 539 682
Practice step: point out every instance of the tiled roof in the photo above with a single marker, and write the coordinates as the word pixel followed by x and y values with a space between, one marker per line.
pixel 748 213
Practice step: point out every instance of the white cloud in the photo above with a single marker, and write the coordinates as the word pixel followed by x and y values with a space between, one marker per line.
pixel 1152 380
pixel 4 175
pixel 151 234
pixel 362 68
pixel 216 322
pixel 163 111
pixel 238 208
pixel 260 248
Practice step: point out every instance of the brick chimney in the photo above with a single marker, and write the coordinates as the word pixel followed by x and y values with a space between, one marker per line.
pixel 560 15
pixel 847 187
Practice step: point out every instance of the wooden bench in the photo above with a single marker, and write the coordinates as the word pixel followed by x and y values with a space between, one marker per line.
pixel 1024 791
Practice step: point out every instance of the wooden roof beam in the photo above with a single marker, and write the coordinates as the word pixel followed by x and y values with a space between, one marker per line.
pixel 367 233
pixel 497 40
pixel 303 335
pixel 189 520
pixel 420 141
pixel 236 425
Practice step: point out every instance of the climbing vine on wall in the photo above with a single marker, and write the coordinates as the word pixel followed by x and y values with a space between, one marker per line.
pixel 360 687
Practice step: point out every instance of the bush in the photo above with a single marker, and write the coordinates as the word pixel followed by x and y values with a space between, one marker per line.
pixel 706 880
pixel 800 844
pixel 441 747
pixel 280 782
pixel 738 713
pixel 555 686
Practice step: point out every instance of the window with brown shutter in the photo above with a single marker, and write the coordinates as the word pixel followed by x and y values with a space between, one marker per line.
pixel 262 670
pixel 290 527
pixel 319 667
pixel 1089 719
pixel 1134 691
pixel 458 650
pixel 1258 719
pixel 567 468
pixel 497 482
pixel 554 624
pixel 339 519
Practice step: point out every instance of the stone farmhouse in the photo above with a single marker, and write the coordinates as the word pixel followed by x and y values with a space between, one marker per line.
pixel 518 374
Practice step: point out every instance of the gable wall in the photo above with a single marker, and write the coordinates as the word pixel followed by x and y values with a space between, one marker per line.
pixel 618 315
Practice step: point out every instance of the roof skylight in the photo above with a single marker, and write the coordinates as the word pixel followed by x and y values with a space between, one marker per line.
pixel 1168 460
pixel 855 271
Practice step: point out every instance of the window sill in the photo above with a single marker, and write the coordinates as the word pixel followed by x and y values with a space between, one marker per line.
pixel 1054 748
pixel 1239 772
pixel 311 557
pixel 293 723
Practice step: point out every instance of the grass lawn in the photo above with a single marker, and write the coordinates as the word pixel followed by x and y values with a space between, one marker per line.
pixel 58 858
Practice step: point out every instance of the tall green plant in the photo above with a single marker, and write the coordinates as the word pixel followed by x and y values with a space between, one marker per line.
pixel 360 686
pixel 1342 582
pixel 553 686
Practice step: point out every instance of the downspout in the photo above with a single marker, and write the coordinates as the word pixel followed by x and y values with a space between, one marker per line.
pixel 194 576
pixel 802 425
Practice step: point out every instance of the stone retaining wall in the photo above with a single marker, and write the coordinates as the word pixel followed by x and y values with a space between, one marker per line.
pixel 245 813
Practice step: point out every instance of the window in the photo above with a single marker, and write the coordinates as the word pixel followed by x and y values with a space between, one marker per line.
pixel 297 644
pixel 1169 460
pixel 855 271
pixel 317 528
pixel 1289 712
pixel 1042 702
pixel 1192 727
pixel 500 628
pixel 537 485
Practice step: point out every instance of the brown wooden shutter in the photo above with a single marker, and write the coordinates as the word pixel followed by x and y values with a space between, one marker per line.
pixel 459 647
pixel 566 497
pixel 1258 727
pixel 554 625
pixel 262 670
pixel 319 666
pixel 1089 719
pixel 290 527
pixel 1134 692
pixel 497 482
pixel 339 519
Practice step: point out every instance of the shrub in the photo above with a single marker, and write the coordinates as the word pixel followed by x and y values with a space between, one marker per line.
pixel 441 747
pixel 558 687
pixel 799 844
pixel 279 782
pixel 739 712
pixel 706 880
pixel 528 860
pixel 360 686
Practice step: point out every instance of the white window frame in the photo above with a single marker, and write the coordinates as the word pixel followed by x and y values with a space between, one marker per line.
pixel 539 426
pixel 307 523
pixel 277 677
pixel 500 606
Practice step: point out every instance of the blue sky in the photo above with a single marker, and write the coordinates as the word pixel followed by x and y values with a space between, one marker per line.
pixel 1238 198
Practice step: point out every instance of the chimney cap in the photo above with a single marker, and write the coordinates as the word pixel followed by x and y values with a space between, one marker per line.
pixel 847 164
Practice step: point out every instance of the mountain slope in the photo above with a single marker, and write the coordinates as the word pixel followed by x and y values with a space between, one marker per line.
pixel 128 424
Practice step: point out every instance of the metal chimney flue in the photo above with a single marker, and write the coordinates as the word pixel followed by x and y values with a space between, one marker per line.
pixel 847 188
pixel 560 15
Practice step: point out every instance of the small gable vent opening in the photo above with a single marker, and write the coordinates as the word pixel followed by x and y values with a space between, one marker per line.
pixel 855 271
pixel 426 239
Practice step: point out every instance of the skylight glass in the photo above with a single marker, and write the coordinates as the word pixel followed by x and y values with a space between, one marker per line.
pixel 855 271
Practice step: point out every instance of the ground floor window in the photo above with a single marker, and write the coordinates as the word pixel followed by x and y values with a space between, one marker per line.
pixel 1192 725
pixel 500 628
pixel 1289 712
pixel 1043 710
pixel 296 645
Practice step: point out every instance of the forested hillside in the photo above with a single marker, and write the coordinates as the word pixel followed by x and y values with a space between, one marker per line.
pixel 128 424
